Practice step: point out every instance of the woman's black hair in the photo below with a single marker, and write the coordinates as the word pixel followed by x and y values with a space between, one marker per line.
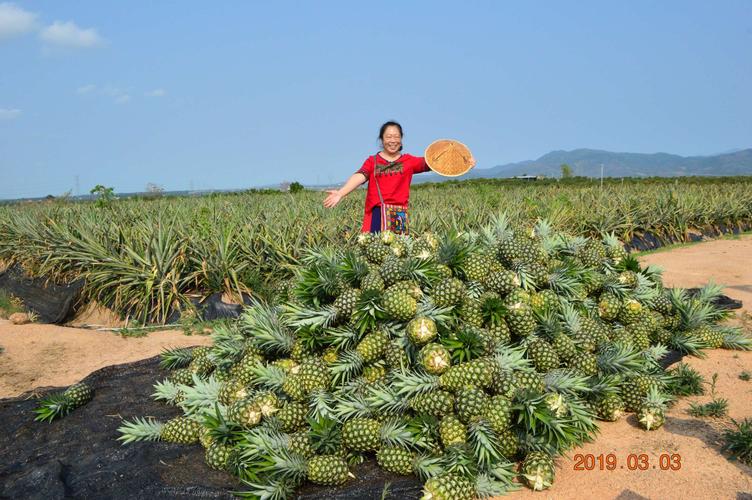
pixel 390 123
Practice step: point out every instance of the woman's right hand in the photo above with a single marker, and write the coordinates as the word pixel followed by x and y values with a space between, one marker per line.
pixel 333 198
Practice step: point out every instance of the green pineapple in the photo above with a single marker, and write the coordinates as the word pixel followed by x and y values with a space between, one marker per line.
pixel 399 305
pixel 448 292
pixel 435 403
pixel 292 416
pixel 373 346
pixel 543 355
pixel 421 330
pixel 592 253
pixel 346 302
pixel 470 312
pixel 609 306
pixel 564 346
pixel 435 358
pixel 509 442
pixel 448 486
pixel 327 470
pixel 630 311
pixel 375 373
pixel 538 470
pixel 392 270
pixel 609 407
pixel 502 281
pixel 361 434
pixel 477 373
pixel 498 413
pixel 396 460
pixel 452 431
pixel 217 455
pixel 245 412
pixel 476 266
pixel 520 319
pixel 233 390
pixel 372 283
pixel 528 381
pixel 469 403
pixel 584 362
pixel 181 430
pixel 59 405
pixel 711 337
pixel 652 412
pixel 375 251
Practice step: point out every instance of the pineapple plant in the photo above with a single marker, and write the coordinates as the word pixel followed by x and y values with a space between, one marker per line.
pixel 538 470
pixel 61 404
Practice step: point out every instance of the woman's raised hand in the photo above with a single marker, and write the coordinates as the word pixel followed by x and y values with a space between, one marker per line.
pixel 332 199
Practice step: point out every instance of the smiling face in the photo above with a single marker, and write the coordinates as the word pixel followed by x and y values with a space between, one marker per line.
pixel 392 140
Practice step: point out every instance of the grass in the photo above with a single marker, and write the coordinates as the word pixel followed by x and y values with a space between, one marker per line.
pixel 738 441
pixel 745 375
pixel 685 381
pixel 716 408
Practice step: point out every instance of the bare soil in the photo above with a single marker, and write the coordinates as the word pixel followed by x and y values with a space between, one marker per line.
pixel 46 355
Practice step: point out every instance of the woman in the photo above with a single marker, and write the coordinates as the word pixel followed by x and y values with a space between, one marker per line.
pixel 388 173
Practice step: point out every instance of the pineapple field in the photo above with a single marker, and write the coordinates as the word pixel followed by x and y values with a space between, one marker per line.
pixel 472 356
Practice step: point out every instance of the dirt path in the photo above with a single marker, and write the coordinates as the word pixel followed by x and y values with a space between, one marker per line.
pixel 38 355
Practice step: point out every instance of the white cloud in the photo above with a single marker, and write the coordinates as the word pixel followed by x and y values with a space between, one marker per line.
pixel 9 114
pixel 86 89
pixel 122 99
pixel 156 93
pixel 14 21
pixel 69 35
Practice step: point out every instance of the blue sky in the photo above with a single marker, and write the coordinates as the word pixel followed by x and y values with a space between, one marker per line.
pixel 230 95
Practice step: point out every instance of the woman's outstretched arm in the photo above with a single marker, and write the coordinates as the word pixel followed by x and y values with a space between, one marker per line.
pixel 335 195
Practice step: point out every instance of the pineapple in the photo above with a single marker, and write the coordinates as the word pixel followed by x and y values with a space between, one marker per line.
pixel 361 434
pixel 502 281
pixel 327 470
pixel 435 358
pixel 245 412
pixel 543 355
pixel 448 292
pixel 498 413
pixel 630 311
pixel 421 330
pixel 399 305
pixel 585 363
pixel 652 412
pixel 521 320
pixel 452 431
pixel 436 403
pixel 609 407
pixel 477 373
pixel 292 416
pixel 396 460
pixel 470 312
pixel 59 405
pixel 538 470
pixel 470 403
pixel 346 302
pixel 181 430
pixel 372 282
pixel 373 346
pixel 448 486
pixel 609 306
pixel 476 266
pixel 392 270
pixel 217 456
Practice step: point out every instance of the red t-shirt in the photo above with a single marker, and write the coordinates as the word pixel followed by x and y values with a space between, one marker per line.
pixel 393 179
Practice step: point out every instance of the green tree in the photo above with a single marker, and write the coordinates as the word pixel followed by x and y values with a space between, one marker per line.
pixel 566 171
pixel 296 187
pixel 104 195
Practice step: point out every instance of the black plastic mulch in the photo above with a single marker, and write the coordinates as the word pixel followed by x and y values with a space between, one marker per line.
pixel 78 456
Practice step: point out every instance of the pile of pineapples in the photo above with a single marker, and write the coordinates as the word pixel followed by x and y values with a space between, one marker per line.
pixel 470 360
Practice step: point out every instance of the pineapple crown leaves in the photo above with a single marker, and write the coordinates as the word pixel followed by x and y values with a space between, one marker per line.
pixel 386 400
pixel 493 309
pixel 621 359
pixel 140 429
pixel 424 430
pixel 440 315
pixel 301 316
pixel 319 282
pixel 409 384
pixel 735 338
pixel 220 428
pixel 269 377
pixel 166 391
pixel 321 404
pixel 352 267
pixel 511 358
pixel 263 324
pixel 657 398
pixel 497 480
pixel 348 365
pixel 351 404
pixel 485 444
pixel 178 357
pixel 566 381
pixel 325 435
pixel 454 249
pixel 688 342
pixel 628 263
pixel 653 273
pixel 427 466
pixel 565 282
pixel 395 432
pixel 199 398
pixel 52 407
pixel 603 385
pixel 464 345
pixel 654 354
pixel 228 346
pixel 460 459
pixel 498 229
pixel 422 271
pixel 558 433
pixel 282 464
pixel 342 338
pixel 268 490
pixel 368 311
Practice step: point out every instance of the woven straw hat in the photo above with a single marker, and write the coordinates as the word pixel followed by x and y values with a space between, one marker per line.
pixel 449 158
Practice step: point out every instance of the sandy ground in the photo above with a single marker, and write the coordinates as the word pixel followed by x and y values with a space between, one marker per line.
pixel 69 354
pixel 38 355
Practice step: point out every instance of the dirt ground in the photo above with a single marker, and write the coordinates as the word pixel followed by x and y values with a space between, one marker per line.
pixel 66 355
pixel 39 355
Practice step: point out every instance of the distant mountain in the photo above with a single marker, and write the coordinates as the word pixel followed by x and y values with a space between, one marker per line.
pixel 587 163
